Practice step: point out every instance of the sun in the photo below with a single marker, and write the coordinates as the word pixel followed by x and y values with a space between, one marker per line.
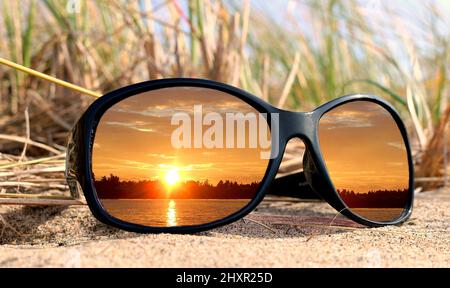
pixel 172 177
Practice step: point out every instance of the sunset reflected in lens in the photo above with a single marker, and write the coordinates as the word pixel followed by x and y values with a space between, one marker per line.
pixel 366 158
pixel 142 177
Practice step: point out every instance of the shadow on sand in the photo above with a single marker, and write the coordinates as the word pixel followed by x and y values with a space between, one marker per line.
pixel 58 226
pixel 53 226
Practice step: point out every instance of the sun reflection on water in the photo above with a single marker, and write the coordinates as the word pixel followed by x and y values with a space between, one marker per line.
pixel 171 214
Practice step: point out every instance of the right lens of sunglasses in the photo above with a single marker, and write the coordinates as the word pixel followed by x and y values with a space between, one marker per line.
pixel 176 157
pixel 366 158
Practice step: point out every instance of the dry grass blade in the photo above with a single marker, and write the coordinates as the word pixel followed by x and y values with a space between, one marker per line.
pixel 35 161
pixel 260 224
pixel 51 169
pixel 27 125
pixel 289 81
pixel 29 142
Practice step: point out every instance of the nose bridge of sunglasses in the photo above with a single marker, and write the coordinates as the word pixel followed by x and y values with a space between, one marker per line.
pixel 297 125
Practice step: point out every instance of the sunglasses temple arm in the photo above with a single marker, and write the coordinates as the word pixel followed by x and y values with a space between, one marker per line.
pixel 49 78
pixel 294 185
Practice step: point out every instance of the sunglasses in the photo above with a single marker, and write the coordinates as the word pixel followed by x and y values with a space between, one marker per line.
pixel 186 155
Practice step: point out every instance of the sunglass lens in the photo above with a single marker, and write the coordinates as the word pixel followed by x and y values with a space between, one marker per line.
pixel 169 157
pixel 366 158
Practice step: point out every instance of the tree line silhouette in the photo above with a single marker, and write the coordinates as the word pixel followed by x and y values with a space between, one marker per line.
pixel 113 188
pixel 375 199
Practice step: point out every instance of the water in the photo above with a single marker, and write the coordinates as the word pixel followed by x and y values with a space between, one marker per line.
pixel 379 214
pixel 172 212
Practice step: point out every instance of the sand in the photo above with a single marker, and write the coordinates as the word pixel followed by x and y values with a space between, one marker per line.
pixel 295 235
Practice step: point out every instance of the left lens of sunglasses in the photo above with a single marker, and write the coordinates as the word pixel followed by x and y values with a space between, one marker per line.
pixel 175 156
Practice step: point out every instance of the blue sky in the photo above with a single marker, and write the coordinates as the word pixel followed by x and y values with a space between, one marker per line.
pixel 410 10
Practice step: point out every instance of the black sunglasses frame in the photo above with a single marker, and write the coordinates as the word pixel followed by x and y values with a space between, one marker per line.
pixel 301 125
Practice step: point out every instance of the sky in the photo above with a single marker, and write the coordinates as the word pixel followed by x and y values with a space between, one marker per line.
pixel 361 144
pixel 414 15
pixel 363 148
pixel 410 10
pixel 133 140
